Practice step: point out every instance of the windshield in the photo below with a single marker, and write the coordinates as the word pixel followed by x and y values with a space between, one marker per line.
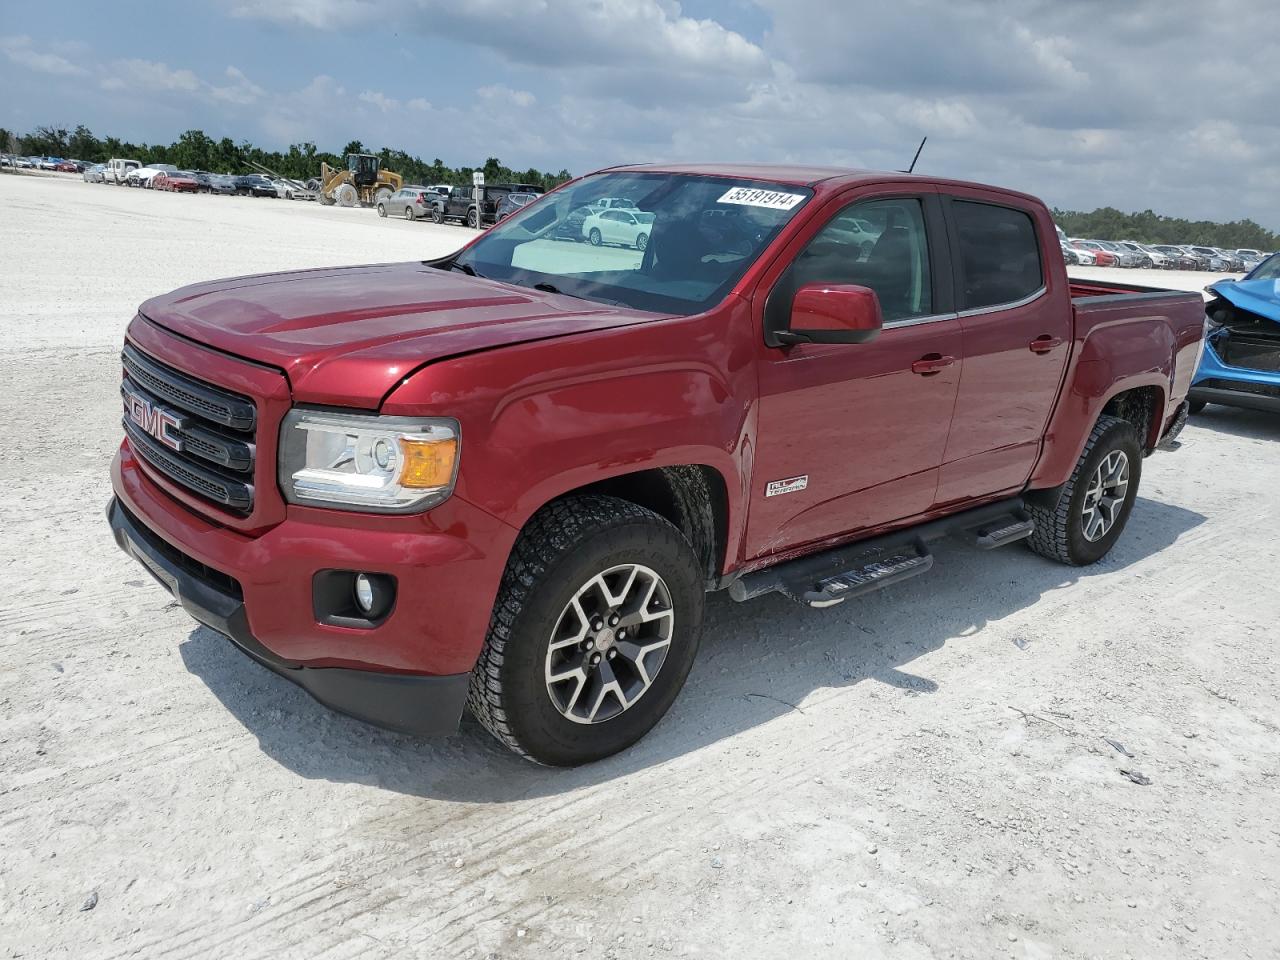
pixel 679 247
pixel 1268 269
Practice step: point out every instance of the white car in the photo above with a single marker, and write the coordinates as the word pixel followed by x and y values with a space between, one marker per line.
pixel 117 170
pixel 145 176
pixel 631 228
pixel 1086 258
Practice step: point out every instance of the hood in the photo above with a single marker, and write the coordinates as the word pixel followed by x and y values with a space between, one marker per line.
pixel 346 336
pixel 1260 297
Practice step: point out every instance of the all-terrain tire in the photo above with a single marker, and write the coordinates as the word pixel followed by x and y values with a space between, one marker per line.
pixel 563 547
pixel 1059 530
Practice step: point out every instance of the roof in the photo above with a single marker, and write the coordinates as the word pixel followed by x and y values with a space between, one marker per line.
pixel 801 175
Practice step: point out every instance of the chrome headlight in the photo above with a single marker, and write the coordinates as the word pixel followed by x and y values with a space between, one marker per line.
pixel 367 462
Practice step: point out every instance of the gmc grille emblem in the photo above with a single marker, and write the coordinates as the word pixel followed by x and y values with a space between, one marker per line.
pixel 156 421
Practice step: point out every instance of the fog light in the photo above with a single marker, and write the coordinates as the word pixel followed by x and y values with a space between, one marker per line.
pixel 364 593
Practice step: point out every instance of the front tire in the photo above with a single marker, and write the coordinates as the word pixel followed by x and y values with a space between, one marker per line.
pixel 642 241
pixel 437 215
pixel 560 680
pixel 1094 506
pixel 382 210
pixel 473 219
pixel 595 238
pixel 1195 406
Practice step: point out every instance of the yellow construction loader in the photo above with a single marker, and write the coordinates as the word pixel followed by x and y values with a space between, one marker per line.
pixel 361 183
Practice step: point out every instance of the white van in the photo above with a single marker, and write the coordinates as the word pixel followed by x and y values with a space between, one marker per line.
pixel 117 170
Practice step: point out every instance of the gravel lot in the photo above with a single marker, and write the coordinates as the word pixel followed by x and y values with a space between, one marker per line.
pixel 925 773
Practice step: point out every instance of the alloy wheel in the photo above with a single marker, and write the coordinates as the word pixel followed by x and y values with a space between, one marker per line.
pixel 609 643
pixel 1105 495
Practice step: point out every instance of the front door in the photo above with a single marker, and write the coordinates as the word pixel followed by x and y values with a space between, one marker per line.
pixel 851 436
pixel 1016 340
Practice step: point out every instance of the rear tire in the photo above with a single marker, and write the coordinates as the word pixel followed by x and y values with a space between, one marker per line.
pixel 543 627
pixel 595 238
pixel 473 219
pixel 408 213
pixel 437 215
pixel 382 210
pixel 642 241
pixel 1092 510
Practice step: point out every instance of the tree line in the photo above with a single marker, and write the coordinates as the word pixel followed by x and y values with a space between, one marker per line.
pixel 1108 223
pixel 195 150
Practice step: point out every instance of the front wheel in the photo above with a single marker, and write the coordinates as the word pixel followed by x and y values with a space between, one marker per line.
pixel 437 215
pixel 473 219
pixel 595 629
pixel 382 210
pixel 595 238
pixel 642 241
pixel 1095 503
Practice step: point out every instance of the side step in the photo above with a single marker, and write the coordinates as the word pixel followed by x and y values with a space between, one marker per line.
pixel 833 576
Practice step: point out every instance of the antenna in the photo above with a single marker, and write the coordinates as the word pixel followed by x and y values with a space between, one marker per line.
pixel 911 168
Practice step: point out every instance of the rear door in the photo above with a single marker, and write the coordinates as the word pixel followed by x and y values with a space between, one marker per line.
pixel 1017 333
pixel 851 435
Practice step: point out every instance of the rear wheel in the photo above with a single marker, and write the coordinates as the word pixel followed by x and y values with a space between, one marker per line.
pixel 346 195
pixel 437 214
pixel 1095 504
pixel 408 213
pixel 1195 406
pixel 473 218
pixel 595 629
pixel 642 241
pixel 595 238
pixel 382 210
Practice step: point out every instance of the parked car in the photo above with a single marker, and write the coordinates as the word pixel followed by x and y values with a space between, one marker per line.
pixel 145 176
pixel 117 170
pixel 412 203
pixel 1178 259
pixel 588 444
pixel 1144 259
pixel 222 183
pixel 1240 366
pixel 630 228
pixel 94 173
pixel 458 204
pixel 1235 262
pixel 513 202
pixel 1102 256
pixel 1212 259
pixel 48 163
pixel 177 181
pixel 1079 256
pixel 67 166
pixel 255 185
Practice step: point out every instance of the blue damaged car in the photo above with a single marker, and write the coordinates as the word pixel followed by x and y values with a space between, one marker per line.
pixel 1241 362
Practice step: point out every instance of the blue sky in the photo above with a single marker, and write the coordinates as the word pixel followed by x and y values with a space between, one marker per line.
pixel 1167 104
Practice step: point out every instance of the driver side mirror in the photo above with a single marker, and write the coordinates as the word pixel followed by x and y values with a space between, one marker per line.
pixel 833 313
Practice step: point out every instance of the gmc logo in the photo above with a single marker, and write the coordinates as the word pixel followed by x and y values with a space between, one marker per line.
pixel 157 421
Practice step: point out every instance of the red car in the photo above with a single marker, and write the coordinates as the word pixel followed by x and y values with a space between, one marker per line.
pixel 177 182
pixel 506 479
pixel 68 166
pixel 1102 256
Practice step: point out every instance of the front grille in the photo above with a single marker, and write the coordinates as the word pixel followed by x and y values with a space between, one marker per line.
pixel 198 436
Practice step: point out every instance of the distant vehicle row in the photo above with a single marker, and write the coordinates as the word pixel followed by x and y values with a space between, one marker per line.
pixel 1160 256
pixel 165 176
pixel 443 202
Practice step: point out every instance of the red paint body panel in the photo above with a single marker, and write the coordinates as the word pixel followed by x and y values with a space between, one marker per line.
pixel 554 393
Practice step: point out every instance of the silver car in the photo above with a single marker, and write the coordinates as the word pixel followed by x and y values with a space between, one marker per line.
pixel 93 174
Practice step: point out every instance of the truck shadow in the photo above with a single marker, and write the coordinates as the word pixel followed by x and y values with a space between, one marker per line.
pixel 759 660
pixel 1238 422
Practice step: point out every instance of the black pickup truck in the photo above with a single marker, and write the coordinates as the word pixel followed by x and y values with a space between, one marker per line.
pixel 459 203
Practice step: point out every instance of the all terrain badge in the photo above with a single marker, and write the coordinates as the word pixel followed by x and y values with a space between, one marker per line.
pixel 794 485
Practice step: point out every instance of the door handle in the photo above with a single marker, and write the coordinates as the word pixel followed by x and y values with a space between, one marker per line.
pixel 1044 343
pixel 931 363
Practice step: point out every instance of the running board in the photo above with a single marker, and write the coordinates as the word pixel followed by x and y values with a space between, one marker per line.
pixel 833 576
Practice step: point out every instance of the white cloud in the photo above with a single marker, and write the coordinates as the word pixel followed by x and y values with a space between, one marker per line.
pixel 19 50
pixel 148 76
pixel 501 92
pixel 240 91
pixel 380 100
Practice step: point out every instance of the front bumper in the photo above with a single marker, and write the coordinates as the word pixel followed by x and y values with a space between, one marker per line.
pixel 1219 382
pixel 408 703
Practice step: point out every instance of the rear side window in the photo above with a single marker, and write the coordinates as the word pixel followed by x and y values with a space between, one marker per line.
pixel 999 256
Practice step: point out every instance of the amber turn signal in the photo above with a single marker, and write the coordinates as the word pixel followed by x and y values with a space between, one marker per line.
pixel 427 463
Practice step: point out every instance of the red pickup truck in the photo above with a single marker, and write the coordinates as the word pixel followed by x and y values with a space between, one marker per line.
pixel 505 480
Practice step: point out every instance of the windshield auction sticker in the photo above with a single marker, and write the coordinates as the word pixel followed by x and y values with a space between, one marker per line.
pixel 753 197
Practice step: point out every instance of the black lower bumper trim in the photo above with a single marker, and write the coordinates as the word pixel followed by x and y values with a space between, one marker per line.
pixel 1236 398
pixel 408 703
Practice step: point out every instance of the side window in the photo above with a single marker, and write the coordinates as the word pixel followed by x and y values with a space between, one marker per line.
pixel 999 256
pixel 879 244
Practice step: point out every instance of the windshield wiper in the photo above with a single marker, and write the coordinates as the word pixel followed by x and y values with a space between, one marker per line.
pixel 466 268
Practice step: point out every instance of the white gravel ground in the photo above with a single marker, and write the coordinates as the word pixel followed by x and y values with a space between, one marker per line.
pixel 922 774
